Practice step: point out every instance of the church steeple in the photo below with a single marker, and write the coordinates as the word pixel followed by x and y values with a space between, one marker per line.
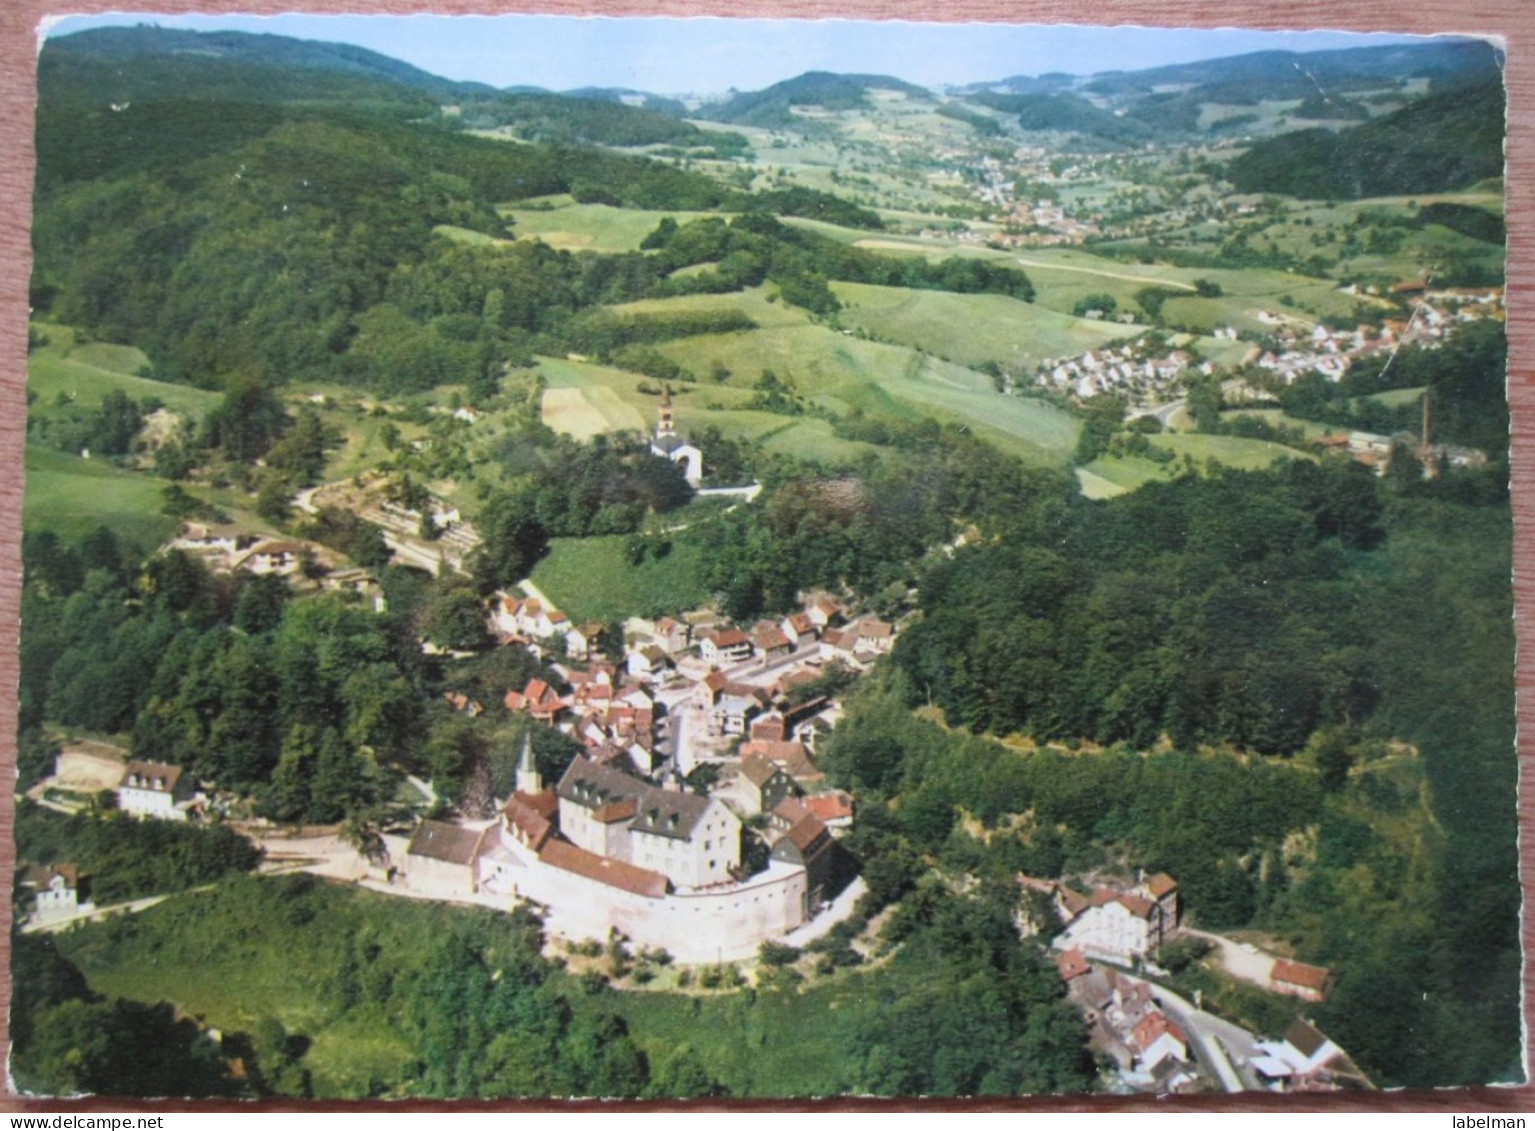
pixel 666 425
pixel 528 778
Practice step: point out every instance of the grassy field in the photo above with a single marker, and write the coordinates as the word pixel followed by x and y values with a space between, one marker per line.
pixel 1395 397
pixel 972 329
pixel 843 373
pixel 760 304
pixel 73 496
pixel 591 579
pixel 1115 475
pixel 1232 451
pixel 584 413
pixel 614 395
pixel 207 954
pixel 469 236
pixel 1277 418
pixel 88 371
pixel 590 227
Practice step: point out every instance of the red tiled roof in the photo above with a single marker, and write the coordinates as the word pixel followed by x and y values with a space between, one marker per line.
pixel 770 638
pixel 1300 974
pixel 1071 964
pixel 728 638
pixel 532 814
pixel 830 806
pixel 604 869
pixel 791 756
pixel 791 810
pixel 1151 1028
pixel 616 811
pixel 806 831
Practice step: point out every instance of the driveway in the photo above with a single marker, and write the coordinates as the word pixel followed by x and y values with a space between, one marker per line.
pixel 1241 960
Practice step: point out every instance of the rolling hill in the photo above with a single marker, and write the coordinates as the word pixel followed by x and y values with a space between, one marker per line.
pixel 774 105
pixel 1446 141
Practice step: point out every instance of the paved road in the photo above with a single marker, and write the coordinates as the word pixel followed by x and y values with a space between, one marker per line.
pixel 1210 1036
pixel 52 926
pixel 1148 280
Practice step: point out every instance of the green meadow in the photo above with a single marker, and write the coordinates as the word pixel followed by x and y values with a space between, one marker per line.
pixel 590 227
pixel 73 496
pixel 85 372
pixel 592 579
pixel 972 329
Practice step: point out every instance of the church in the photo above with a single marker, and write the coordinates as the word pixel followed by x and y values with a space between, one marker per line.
pixel 667 444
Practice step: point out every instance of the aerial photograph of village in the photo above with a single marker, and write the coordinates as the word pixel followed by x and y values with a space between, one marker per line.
pixel 677 559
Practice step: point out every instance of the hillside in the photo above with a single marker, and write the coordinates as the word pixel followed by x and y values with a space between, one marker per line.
pixel 1445 141
pixel 1292 74
pixel 1067 113
pixel 164 58
pixel 774 105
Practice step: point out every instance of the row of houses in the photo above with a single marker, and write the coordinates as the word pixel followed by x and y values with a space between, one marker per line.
pixel 1144 369
pixel 1151 1051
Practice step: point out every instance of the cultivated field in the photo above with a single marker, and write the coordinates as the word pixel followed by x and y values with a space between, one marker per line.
pixel 588 412
pixel 972 329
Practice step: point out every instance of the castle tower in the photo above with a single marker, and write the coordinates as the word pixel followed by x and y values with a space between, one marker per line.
pixel 528 778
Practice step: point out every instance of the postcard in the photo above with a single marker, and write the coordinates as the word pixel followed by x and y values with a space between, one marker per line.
pixel 724 558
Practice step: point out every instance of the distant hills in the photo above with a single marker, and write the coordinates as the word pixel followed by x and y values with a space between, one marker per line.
pixel 774 106
pixel 1165 103
pixel 165 57
pixel 1446 141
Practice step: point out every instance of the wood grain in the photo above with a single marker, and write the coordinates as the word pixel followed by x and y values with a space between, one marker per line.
pixel 1513 20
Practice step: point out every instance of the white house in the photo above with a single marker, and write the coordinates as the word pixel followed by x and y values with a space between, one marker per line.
pixel 725 644
pixel 56 890
pixel 154 789
pixel 693 841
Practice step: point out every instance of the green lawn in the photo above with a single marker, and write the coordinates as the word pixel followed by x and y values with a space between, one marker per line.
pixel 469 236
pixel 591 579
pixel 73 496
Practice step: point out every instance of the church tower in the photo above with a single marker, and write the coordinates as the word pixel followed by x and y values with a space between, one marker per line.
pixel 528 778
pixel 668 445
pixel 667 424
